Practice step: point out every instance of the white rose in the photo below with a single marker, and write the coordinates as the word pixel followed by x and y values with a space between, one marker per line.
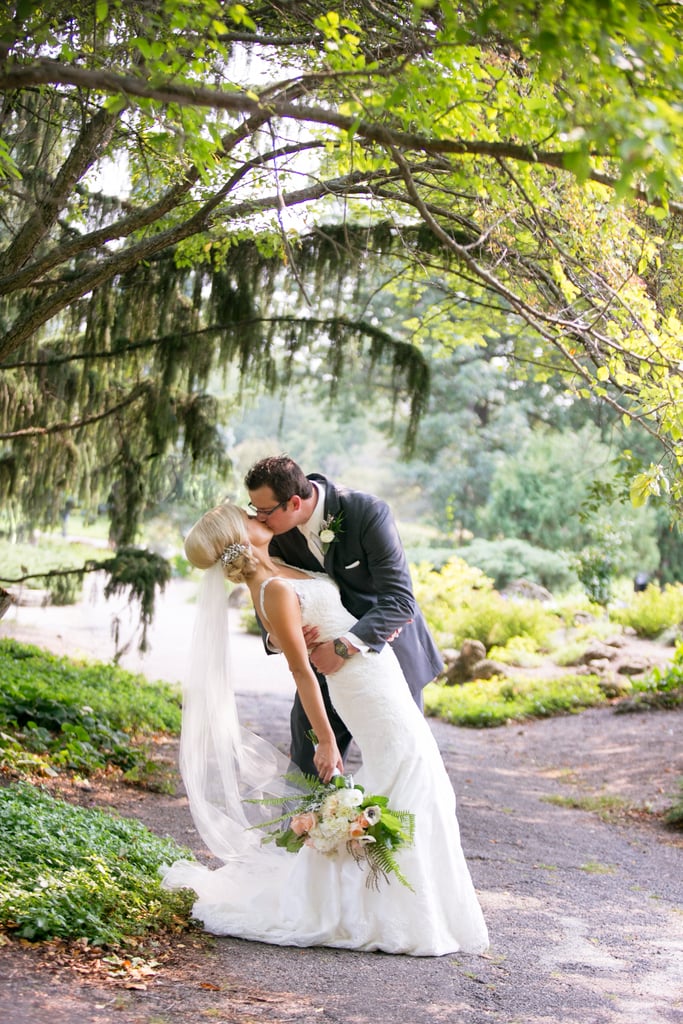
pixel 350 797
pixel 326 536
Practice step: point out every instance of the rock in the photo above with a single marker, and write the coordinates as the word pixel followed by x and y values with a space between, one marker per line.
pixel 487 669
pixel 598 664
pixel 469 663
pixel 633 665
pixel 460 668
pixel 597 651
pixel 612 686
pixel 527 589
pixel 618 640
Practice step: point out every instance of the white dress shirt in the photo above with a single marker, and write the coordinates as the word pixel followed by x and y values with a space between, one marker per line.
pixel 311 530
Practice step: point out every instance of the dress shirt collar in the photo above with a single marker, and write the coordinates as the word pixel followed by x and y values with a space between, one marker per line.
pixel 315 523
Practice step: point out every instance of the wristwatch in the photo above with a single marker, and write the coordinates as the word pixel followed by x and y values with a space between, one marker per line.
pixel 341 649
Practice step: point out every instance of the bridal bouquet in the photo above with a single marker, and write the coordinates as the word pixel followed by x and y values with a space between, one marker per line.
pixel 338 817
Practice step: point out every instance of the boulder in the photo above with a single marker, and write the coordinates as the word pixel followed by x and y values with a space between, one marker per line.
pixel 469 663
pixel 527 590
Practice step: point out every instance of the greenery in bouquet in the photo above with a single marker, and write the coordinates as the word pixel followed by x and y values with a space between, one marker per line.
pixel 338 817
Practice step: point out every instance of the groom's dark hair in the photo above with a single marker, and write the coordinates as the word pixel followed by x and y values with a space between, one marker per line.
pixel 284 477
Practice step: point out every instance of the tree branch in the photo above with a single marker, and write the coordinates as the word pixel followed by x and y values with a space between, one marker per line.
pixel 96 274
pixel 92 140
pixel 47 72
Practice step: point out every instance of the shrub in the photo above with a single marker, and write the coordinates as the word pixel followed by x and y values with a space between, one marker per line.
pixel 652 610
pixel 459 603
pixel 674 815
pixel 660 688
pixel 436 557
pixel 33 679
pixel 73 873
pixel 519 650
pixel 512 559
pixel 249 622
pixel 439 592
pixel 493 702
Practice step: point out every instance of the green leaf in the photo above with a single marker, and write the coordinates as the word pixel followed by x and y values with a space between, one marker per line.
pixel 640 489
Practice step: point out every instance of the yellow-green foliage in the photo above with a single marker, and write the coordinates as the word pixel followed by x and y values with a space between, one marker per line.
pixel 438 592
pixel 651 611
pixel 521 650
pixel 459 603
pixel 497 701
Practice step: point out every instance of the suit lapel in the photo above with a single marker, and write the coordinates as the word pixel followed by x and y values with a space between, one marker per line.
pixel 332 508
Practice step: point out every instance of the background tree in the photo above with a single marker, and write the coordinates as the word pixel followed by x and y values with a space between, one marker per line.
pixel 512 169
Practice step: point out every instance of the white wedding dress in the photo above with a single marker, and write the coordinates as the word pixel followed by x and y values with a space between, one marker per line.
pixel 267 894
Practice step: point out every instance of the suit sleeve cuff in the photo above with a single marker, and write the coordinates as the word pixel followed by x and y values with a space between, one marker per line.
pixel 362 647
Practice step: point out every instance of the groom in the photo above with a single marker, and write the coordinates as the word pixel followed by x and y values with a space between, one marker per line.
pixel 353 538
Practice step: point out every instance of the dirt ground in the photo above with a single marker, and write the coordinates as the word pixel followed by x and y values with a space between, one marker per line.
pixel 585 914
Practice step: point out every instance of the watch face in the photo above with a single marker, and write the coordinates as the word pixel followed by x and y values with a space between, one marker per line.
pixel 341 649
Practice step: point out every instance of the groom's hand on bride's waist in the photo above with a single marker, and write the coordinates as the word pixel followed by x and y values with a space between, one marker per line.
pixel 329 656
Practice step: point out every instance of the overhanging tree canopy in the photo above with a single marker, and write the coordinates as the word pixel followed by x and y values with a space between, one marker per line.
pixel 284 166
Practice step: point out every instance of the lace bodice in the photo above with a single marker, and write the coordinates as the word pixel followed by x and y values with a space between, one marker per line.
pixel 320 604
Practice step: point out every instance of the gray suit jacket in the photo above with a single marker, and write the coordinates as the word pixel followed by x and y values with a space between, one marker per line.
pixel 369 565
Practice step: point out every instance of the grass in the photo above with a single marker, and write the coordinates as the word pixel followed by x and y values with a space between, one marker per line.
pixel 608 808
pixel 596 867
pixel 49 552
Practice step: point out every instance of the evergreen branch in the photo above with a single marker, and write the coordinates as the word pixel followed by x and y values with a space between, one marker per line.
pixel 51 574
pixel 134 222
pixel 59 428
pixel 97 273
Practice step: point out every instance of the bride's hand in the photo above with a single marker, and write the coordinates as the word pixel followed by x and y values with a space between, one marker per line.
pixel 327 760
pixel 311 634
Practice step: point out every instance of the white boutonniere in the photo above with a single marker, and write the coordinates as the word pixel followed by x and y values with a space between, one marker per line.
pixel 330 529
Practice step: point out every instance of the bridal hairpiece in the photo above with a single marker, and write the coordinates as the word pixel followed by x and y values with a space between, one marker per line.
pixel 233 552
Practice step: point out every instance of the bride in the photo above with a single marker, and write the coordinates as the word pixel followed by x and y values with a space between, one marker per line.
pixel 264 892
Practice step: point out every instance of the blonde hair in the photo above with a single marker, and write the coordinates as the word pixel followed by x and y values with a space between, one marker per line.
pixel 208 539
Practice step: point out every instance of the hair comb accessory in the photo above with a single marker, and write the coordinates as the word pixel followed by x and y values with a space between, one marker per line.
pixel 233 552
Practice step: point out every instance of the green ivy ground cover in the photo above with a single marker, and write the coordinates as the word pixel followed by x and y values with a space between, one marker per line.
pixel 72 872
pixel 81 716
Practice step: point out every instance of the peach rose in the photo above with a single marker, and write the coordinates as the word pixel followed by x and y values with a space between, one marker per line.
pixel 301 824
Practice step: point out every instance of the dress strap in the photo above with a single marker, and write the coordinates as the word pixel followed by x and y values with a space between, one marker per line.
pixel 262 610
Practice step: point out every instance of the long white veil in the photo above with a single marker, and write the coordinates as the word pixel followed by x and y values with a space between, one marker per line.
pixel 223 764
